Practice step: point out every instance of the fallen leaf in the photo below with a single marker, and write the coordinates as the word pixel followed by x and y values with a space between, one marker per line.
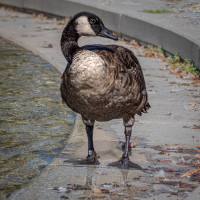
pixel 171 144
pixel 192 104
pixel 180 163
pixel 98 196
pixel 139 139
pixel 160 178
pixel 96 190
pixel 166 161
pixel 34 15
pixel 100 173
pixel 144 190
pixel 173 82
pixel 132 145
pixel 169 171
pixel 74 187
pixel 190 172
pixel 196 126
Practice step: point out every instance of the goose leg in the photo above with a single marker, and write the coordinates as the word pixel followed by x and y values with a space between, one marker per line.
pixel 92 158
pixel 124 162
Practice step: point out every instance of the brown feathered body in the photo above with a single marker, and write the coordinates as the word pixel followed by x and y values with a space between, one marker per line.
pixel 105 84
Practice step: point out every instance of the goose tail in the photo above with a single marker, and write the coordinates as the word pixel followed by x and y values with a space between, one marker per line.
pixel 146 106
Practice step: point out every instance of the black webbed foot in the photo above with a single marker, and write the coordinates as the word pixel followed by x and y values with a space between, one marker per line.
pixel 91 159
pixel 125 163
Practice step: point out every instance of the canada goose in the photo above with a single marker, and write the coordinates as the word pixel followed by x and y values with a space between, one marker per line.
pixel 101 82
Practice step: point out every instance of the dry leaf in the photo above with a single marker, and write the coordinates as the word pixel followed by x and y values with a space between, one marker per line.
pixel 132 145
pixel 190 172
pixel 96 190
pixel 98 196
pixel 74 187
pixel 34 15
pixel 169 171
pixel 139 139
pixel 166 161
pixel 192 104
pixel 160 178
pixel 100 173
pixel 180 163
pixel 196 127
pixel 171 144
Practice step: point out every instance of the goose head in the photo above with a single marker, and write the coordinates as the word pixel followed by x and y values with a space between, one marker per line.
pixel 88 24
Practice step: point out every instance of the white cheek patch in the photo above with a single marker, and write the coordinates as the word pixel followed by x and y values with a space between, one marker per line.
pixel 83 26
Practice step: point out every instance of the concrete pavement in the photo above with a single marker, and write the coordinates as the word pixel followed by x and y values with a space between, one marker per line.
pixel 166 138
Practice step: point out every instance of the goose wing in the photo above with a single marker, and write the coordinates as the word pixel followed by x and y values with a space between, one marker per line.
pixel 122 58
pixel 128 76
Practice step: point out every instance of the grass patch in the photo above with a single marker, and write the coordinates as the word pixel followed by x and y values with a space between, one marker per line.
pixel 176 64
pixel 157 11
pixel 185 65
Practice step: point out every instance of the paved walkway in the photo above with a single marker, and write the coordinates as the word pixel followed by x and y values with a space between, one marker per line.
pixel 166 138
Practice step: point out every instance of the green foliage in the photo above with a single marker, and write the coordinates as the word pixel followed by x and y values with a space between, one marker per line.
pixel 176 58
pixel 159 49
pixel 150 48
pixel 193 69
pixel 185 64
pixel 174 61
pixel 169 59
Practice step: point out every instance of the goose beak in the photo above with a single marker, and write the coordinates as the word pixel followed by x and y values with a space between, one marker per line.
pixel 108 34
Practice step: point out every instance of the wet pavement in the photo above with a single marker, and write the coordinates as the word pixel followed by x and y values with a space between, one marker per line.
pixel 160 177
pixel 167 138
pixel 34 124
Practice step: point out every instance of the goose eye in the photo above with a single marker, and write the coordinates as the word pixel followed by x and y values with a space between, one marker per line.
pixel 93 21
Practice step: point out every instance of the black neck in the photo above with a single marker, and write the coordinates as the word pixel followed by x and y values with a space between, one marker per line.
pixel 69 45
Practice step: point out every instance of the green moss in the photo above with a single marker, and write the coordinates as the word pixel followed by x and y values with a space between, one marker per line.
pixel 157 11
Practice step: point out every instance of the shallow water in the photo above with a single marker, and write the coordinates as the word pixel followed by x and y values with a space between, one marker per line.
pixel 34 124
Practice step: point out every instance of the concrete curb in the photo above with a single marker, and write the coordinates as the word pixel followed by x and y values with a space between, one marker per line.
pixel 146 32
